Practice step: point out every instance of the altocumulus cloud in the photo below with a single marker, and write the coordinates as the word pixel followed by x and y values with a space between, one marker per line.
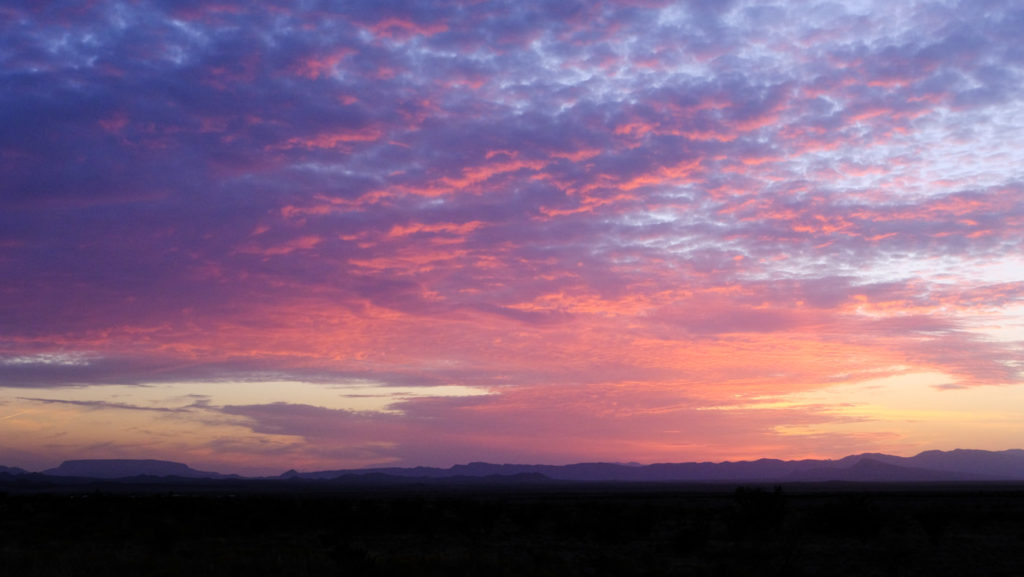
pixel 634 208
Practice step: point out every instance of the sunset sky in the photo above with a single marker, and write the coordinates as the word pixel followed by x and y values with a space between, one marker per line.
pixel 330 235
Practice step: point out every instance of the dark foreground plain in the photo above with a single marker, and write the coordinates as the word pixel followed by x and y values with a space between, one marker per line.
pixel 559 530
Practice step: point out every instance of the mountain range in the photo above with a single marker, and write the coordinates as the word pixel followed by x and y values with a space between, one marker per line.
pixel 929 466
pixel 956 465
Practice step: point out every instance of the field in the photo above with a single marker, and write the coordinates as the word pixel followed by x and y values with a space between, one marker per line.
pixel 515 531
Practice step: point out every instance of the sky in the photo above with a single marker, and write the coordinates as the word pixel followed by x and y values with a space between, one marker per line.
pixel 323 235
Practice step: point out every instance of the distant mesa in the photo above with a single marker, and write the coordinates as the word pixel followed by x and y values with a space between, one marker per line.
pixel 122 468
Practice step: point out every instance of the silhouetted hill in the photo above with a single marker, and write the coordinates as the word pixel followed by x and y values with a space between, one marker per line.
pixel 123 468
pixel 958 465
pixel 386 480
pixel 1003 464
pixel 869 470
pixel 11 471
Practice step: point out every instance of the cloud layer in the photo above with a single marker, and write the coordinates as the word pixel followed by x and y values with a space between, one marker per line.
pixel 611 216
